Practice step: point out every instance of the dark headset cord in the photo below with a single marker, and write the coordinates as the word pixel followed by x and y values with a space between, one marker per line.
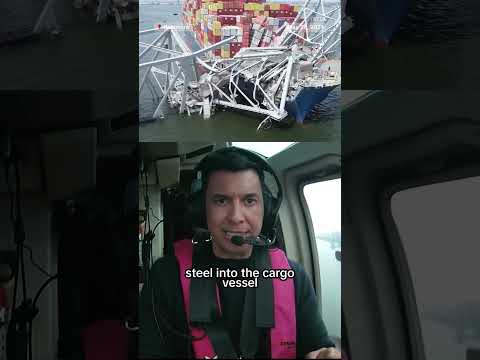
pixel 150 283
pixel 166 324
pixel 147 246
pixel 170 328
pixel 42 270
pixel 26 311
pixel 37 296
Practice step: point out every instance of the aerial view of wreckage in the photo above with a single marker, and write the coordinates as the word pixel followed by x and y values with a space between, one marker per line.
pixel 271 59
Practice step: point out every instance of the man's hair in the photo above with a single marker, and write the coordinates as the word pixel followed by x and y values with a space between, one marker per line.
pixel 229 161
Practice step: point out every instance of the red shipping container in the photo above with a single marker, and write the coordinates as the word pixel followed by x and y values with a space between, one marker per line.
pixel 224 20
pixel 217 52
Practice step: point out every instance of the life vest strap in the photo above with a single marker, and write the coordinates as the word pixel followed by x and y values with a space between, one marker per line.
pixel 220 339
pixel 204 307
pixel 265 317
pixel 250 334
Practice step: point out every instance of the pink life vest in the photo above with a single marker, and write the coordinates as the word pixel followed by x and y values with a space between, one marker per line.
pixel 282 337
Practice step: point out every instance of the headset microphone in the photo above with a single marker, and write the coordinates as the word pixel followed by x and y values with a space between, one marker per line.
pixel 251 240
pixel 202 234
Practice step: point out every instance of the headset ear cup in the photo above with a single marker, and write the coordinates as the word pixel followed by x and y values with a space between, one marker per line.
pixel 268 212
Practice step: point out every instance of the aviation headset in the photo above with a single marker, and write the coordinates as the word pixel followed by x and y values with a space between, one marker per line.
pixel 222 160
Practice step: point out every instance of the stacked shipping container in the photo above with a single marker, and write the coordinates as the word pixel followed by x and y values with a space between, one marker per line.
pixel 252 22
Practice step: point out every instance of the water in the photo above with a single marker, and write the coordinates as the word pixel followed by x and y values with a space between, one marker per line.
pixel 323 124
pixel 440 21
pixel 434 48
pixel 18 15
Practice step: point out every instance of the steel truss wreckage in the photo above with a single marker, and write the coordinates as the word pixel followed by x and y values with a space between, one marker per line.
pixel 269 81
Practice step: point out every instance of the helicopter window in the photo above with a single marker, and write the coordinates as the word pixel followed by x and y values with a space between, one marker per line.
pixel 267 149
pixel 438 225
pixel 323 200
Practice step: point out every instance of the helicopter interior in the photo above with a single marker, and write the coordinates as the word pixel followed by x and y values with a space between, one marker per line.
pixel 410 199
pixel 63 182
pixel 166 181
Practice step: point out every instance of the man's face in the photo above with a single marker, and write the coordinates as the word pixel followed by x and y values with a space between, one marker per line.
pixel 234 206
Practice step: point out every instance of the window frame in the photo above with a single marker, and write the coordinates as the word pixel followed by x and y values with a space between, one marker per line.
pixel 310 231
pixel 307 218
pixel 321 159
pixel 373 301
pixel 392 232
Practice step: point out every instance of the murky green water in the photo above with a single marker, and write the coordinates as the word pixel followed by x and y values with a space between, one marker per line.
pixel 233 126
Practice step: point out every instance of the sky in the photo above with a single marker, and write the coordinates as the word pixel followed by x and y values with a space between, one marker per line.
pixel 324 202
pixel 267 149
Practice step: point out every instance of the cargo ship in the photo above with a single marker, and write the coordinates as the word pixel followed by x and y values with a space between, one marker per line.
pixel 307 95
pixel 253 23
